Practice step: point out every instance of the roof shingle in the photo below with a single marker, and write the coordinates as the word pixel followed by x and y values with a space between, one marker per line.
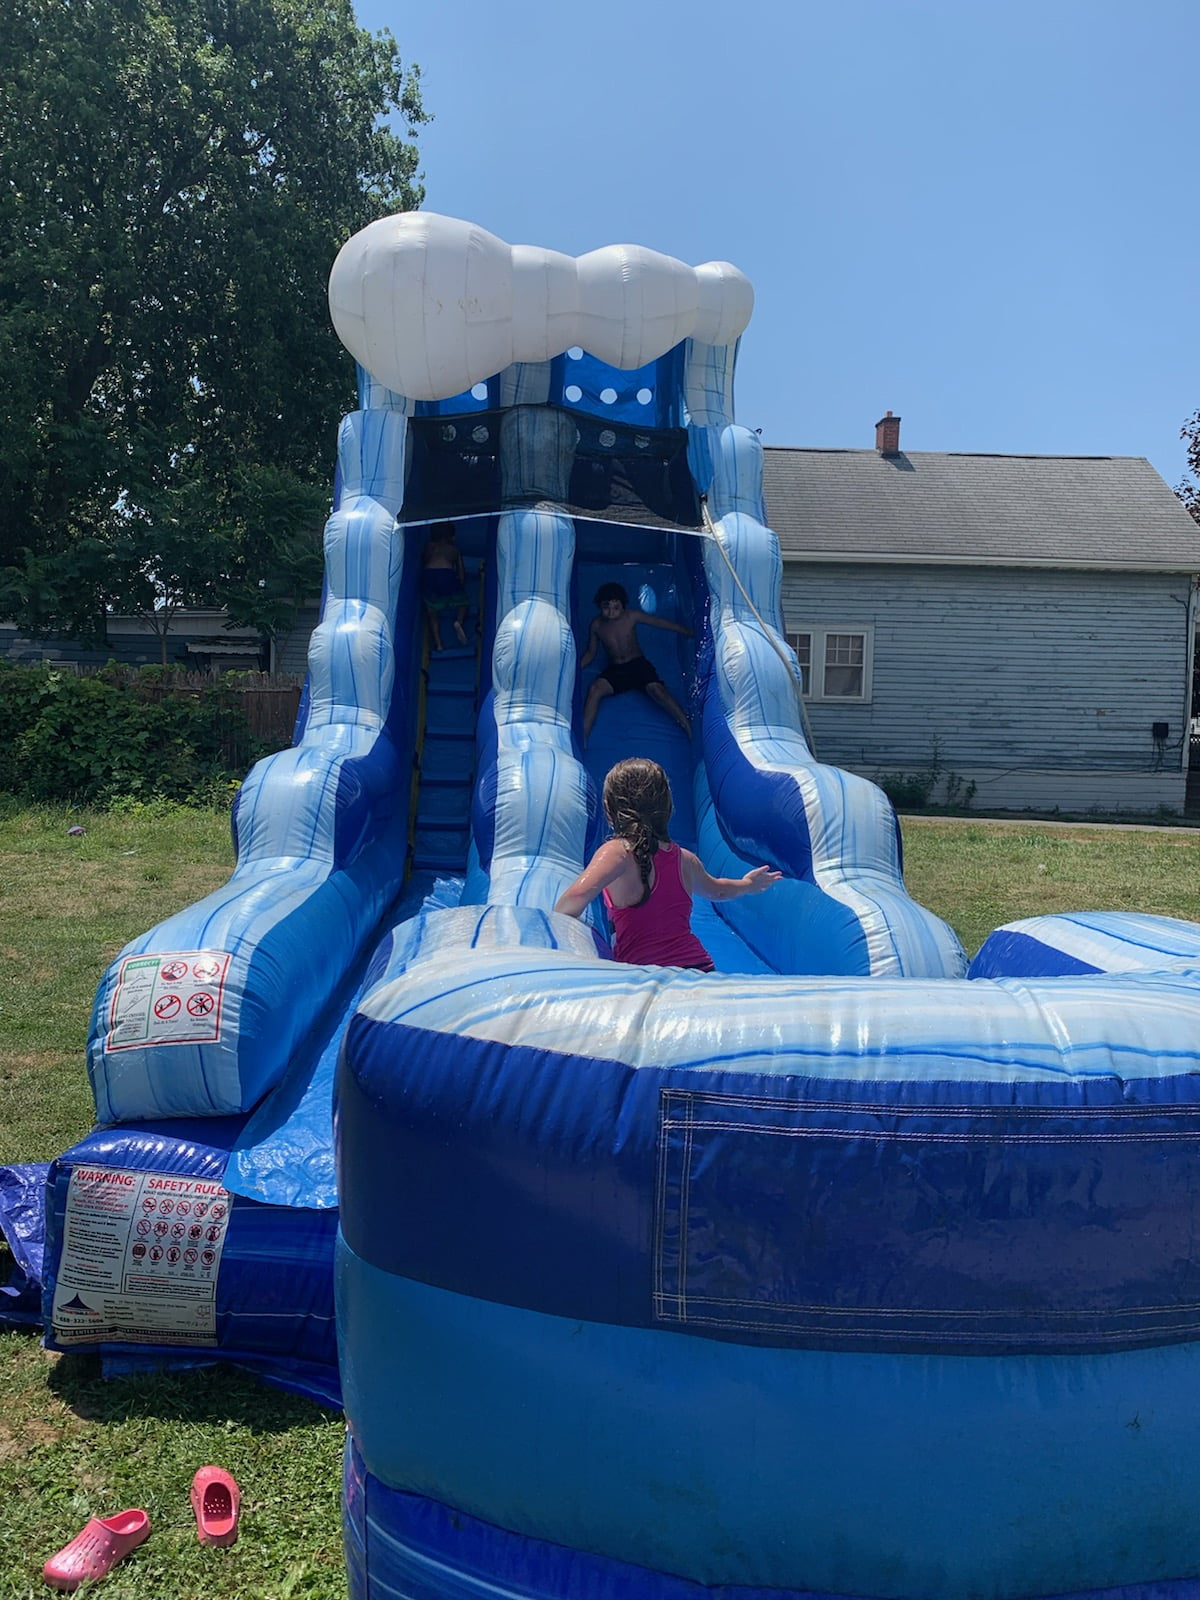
pixel 927 505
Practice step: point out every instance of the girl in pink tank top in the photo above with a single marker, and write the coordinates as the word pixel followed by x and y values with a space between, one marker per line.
pixel 647 881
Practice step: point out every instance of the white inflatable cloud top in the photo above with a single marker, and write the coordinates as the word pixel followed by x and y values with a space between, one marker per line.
pixel 430 305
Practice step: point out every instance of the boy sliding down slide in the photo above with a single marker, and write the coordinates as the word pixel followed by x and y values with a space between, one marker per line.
pixel 616 629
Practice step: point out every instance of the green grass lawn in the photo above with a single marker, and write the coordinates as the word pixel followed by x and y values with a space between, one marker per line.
pixel 978 875
pixel 72 1446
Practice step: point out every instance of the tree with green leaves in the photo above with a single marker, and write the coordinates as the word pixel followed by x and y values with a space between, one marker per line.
pixel 177 177
pixel 1189 490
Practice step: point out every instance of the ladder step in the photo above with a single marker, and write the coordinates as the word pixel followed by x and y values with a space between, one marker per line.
pixel 442 824
pixel 450 861
pixel 441 828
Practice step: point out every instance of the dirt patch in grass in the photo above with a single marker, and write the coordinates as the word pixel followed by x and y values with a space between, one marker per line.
pixel 18 1064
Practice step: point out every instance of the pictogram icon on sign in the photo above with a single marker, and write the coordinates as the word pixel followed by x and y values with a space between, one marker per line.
pixel 166 1007
pixel 172 971
pixel 200 1004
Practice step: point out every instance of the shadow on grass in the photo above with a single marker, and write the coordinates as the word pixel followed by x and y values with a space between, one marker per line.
pixel 217 1394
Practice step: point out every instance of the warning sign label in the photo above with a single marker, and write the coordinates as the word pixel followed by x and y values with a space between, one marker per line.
pixel 175 998
pixel 141 1253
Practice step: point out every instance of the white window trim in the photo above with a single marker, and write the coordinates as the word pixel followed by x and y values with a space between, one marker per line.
pixel 816 692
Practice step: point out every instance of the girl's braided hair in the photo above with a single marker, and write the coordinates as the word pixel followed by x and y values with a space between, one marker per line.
pixel 638 805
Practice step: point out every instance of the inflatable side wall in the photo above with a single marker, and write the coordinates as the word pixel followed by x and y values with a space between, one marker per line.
pixel 201 1015
pixel 214 1035
pixel 150 1257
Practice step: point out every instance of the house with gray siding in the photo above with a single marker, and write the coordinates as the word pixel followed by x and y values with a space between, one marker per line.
pixel 1025 624
pixel 202 639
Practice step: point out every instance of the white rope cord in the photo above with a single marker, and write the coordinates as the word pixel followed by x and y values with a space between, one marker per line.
pixel 558 508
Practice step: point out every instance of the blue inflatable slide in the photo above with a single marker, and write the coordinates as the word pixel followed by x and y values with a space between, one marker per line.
pixel 842 1270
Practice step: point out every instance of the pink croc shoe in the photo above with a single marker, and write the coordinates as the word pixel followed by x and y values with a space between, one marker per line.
pixel 217 1502
pixel 96 1549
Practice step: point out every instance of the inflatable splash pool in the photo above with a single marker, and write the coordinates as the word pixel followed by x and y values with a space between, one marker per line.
pixel 842 1270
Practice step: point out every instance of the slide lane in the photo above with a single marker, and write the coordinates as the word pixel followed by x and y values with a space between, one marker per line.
pixel 631 725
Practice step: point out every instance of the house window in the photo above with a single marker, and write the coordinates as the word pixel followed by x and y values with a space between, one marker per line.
pixel 835 663
pixel 801 643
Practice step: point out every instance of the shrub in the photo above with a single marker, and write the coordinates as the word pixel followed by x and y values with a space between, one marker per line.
pixel 908 791
pixel 913 791
pixel 87 740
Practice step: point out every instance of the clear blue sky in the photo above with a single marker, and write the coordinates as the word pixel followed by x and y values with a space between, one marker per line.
pixel 979 214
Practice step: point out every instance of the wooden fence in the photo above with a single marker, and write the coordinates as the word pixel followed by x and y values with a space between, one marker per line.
pixel 268 701
pixel 271 711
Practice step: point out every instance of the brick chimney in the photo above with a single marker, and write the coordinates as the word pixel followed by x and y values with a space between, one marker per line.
pixel 887 435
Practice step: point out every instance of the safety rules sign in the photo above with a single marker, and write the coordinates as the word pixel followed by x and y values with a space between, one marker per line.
pixel 140 1257
pixel 176 998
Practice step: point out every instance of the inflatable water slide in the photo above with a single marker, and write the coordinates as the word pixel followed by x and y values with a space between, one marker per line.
pixel 842 1270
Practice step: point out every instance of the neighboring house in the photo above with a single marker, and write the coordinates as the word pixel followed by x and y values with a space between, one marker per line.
pixel 1025 624
pixel 291 646
pixel 196 639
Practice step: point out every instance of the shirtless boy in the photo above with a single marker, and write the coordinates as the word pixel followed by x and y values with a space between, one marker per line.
pixel 628 668
pixel 443 583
